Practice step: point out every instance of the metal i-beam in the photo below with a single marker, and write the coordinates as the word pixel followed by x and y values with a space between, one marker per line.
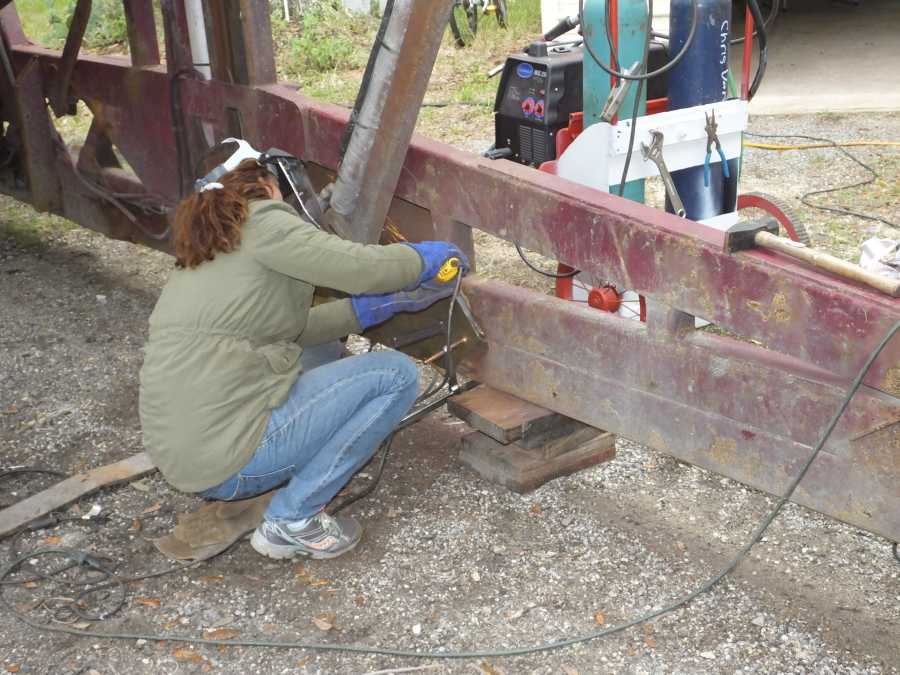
pixel 728 406
pixel 142 42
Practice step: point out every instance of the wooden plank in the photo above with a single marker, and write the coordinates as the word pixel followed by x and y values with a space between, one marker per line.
pixel 561 439
pixel 72 488
pixel 523 470
pixel 502 416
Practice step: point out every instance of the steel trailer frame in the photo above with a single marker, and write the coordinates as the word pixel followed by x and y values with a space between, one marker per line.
pixel 748 407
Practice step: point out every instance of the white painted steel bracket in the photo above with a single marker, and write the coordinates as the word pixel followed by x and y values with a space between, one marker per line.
pixel 597 157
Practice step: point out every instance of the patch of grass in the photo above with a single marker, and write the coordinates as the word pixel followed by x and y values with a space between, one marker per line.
pixel 326 52
pixel 326 39
pixel 28 228
pixel 47 22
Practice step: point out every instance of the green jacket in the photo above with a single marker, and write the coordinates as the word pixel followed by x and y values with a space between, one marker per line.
pixel 226 336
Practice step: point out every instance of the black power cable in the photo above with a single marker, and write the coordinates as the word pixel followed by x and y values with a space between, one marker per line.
pixel 873 176
pixel 637 96
pixel 430 390
pixel 646 75
pixel 634 115
pixel 534 268
pixel 763 42
pixel 773 13
pixel 498 653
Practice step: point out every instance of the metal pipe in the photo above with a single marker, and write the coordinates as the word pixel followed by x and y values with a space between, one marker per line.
pixel 366 181
pixel 197 36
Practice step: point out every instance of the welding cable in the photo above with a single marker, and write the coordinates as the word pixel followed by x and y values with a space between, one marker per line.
pixel 552 275
pixel 493 653
pixel 106 195
pixel 613 51
pixel 762 41
pixel 448 378
pixel 816 146
pixel 634 113
pixel 376 479
pixel 92 562
pixel 774 10
pixel 773 14
pixel 637 106
pixel 646 75
pixel 828 143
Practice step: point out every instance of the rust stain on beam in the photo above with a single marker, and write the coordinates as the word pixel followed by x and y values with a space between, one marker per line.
pixel 738 410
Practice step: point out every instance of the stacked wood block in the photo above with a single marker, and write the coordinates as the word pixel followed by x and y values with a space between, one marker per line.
pixel 521 445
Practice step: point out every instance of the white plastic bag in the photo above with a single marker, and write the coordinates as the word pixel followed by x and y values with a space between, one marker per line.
pixel 881 256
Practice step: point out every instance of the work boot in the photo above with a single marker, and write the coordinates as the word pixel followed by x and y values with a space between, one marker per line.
pixel 319 536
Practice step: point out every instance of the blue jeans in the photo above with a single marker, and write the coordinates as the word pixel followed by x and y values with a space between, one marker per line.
pixel 333 421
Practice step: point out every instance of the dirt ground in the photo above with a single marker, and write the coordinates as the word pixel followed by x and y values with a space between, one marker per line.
pixel 448 562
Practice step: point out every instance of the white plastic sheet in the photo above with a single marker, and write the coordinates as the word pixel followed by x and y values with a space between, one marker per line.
pixel 881 256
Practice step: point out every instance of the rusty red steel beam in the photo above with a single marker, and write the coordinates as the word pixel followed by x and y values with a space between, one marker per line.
pixel 730 407
pixel 830 322
pixel 37 134
pixel 777 301
pixel 143 44
pixel 60 98
pixel 256 30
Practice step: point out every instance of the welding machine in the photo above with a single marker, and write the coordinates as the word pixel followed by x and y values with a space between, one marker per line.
pixel 540 87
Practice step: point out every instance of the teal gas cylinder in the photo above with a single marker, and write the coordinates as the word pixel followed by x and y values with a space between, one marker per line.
pixel 633 26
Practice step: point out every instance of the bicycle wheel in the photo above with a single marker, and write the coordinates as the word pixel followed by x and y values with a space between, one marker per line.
pixel 464 22
pixel 502 13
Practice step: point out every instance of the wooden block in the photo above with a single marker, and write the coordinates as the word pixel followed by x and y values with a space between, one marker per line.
pixel 502 416
pixel 521 469
pixel 555 444
pixel 72 488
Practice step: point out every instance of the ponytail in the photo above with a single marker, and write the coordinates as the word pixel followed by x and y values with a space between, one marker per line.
pixel 210 222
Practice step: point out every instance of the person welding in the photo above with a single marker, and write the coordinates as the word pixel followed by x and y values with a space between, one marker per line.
pixel 242 389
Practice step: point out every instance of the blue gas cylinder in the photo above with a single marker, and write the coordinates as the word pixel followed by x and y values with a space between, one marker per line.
pixel 700 77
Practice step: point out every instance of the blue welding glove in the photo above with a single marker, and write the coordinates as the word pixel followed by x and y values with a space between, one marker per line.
pixel 434 254
pixel 372 310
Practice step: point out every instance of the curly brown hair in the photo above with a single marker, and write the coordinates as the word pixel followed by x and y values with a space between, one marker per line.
pixel 209 222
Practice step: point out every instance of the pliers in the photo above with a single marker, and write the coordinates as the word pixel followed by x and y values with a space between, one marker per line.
pixel 712 138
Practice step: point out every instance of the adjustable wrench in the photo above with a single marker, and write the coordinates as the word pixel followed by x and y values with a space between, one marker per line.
pixel 654 154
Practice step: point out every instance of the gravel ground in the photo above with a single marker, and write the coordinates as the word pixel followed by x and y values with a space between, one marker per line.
pixel 449 562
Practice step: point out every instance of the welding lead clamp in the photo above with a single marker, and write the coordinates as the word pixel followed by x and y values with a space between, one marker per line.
pixel 435 256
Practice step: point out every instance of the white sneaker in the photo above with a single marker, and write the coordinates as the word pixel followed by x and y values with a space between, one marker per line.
pixel 319 536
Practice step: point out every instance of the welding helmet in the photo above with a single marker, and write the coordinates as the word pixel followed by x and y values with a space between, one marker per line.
pixel 293 180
